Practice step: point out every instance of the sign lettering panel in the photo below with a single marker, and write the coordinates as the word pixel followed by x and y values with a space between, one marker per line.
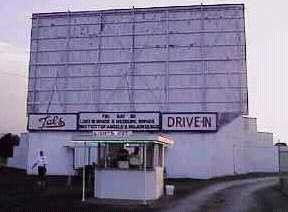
pixel 119 121
pixel 189 121
pixel 58 122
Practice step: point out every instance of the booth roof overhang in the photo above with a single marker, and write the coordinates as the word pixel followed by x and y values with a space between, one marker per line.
pixel 92 140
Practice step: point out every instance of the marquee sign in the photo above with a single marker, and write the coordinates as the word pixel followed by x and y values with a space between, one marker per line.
pixel 56 122
pixel 189 121
pixel 138 121
pixel 106 122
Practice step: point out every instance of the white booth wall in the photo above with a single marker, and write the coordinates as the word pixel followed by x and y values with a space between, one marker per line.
pixel 141 185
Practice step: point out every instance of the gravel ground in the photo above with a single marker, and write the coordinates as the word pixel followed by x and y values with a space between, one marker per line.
pixel 240 197
pixel 237 195
pixel 19 192
pixel 271 199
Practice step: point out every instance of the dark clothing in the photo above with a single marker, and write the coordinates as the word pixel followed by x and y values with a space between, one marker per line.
pixel 42 172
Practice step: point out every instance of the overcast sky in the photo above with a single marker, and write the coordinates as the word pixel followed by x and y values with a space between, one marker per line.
pixel 267 46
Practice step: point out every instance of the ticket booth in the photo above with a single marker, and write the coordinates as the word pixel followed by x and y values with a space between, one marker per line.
pixel 129 168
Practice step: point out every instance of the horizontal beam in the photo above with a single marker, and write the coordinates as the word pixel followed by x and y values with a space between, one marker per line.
pixel 127 103
pixel 136 34
pixel 137 21
pixel 150 10
pixel 137 89
pixel 140 48
pixel 128 62
pixel 140 75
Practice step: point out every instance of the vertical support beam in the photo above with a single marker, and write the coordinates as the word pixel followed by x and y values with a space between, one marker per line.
pixel 163 156
pixel 84 174
pixel 279 160
pixel 96 87
pixel 145 172
pixel 234 159
pixel 105 155
pixel 131 87
pixel 98 96
pixel 65 73
pixel 98 154
pixel 35 109
pixel 89 156
pixel 203 63
pixel 166 84
pixel 243 92
pixel 163 166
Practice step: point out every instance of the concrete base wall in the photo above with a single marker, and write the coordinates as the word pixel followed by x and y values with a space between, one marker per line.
pixel 236 148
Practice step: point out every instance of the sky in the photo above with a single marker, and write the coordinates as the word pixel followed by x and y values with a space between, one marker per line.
pixel 266 40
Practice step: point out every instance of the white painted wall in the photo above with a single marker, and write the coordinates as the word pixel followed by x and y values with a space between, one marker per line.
pixel 128 184
pixel 236 148
pixel 60 158
pixel 256 159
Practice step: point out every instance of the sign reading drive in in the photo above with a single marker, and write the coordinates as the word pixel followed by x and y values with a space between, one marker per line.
pixel 52 122
pixel 189 121
pixel 119 121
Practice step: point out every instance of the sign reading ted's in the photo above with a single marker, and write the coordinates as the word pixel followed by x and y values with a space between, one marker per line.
pixel 138 121
pixel 55 122
pixel 189 121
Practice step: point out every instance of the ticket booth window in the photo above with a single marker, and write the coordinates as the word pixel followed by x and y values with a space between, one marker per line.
pixel 129 156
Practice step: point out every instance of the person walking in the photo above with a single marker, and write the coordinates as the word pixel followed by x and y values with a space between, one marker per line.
pixel 41 162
